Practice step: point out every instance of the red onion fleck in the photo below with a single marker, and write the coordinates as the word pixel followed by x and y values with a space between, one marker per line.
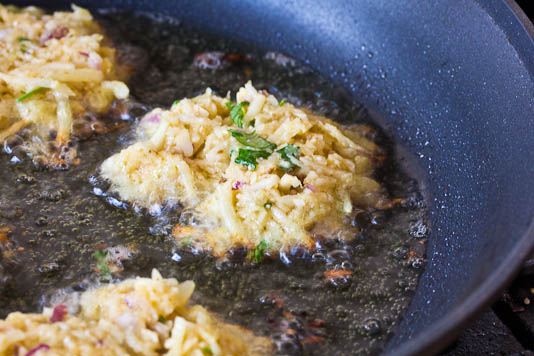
pixel 151 118
pixel 310 187
pixel 57 33
pixel 38 348
pixel 85 54
pixel 129 303
pixel 237 184
pixel 59 313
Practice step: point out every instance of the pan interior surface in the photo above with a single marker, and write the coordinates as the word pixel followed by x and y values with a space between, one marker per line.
pixel 454 84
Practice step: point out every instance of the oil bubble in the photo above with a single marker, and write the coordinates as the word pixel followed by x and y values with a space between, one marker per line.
pixel 372 327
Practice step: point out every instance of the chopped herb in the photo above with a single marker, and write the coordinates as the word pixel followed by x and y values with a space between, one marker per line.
pixel 262 148
pixel 187 241
pixel 237 113
pixel 23 47
pixel 207 351
pixel 258 254
pixel 31 93
pixel 282 102
pixel 268 205
pixel 248 157
pixel 175 103
pixel 162 319
pixel 290 153
pixel 102 264
pixel 252 140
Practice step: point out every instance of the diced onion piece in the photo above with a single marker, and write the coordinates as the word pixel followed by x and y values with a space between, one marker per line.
pixel 288 181
pixel 59 313
pixel 180 141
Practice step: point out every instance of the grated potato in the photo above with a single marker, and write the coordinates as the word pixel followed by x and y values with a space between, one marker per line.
pixel 184 155
pixel 142 316
pixel 53 69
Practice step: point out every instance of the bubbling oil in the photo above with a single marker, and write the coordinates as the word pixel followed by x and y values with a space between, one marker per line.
pixel 343 297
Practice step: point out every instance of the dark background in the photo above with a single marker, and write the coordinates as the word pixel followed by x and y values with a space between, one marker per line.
pixel 507 328
pixel 523 4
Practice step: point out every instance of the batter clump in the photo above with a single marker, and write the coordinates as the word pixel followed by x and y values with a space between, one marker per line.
pixel 258 173
pixel 142 316
pixel 54 70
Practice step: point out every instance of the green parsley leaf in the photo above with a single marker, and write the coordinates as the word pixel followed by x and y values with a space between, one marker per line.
pixel 290 153
pixel 237 113
pixel 175 103
pixel 282 102
pixel 252 140
pixel 261 148
pixel 162 319
pixel 31 93
pixel 207 351
pixel 22 39
pixel 258 254
pixel 102 264
pixel 249 157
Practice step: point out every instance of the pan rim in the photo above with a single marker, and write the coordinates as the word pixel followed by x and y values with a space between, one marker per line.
pixel 441 334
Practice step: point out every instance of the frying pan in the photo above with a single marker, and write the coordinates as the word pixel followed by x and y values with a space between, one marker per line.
pixel 453 82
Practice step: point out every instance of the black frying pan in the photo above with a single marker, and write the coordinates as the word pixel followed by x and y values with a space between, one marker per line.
pixel 453 81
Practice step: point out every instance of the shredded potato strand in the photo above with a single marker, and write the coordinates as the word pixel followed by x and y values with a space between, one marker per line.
pixel 14 128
